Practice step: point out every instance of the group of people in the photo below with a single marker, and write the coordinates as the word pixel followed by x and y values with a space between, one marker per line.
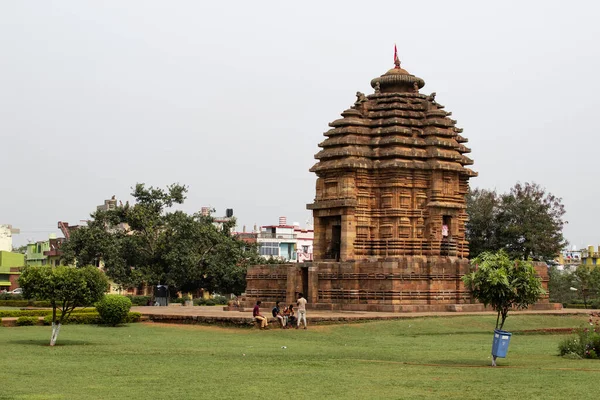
pixel 287 317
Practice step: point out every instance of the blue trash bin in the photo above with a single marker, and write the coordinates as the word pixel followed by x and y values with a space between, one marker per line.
pixel 500 343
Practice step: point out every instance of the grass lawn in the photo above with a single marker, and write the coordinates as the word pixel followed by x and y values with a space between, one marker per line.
pixel 425 358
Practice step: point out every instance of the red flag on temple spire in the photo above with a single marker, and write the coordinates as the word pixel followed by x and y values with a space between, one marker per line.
pixel 396 60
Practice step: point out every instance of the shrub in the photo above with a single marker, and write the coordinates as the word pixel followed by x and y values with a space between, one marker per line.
pixel 113 309
pixel 221 300
pixel 134 317
pixel 27 321
pixel 139 300
pixel 179 300
pixel 38 313
pixel 24 303
pixel 90 318
pixel 586 342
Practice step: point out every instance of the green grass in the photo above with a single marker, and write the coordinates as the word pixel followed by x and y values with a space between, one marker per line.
pixel 425 358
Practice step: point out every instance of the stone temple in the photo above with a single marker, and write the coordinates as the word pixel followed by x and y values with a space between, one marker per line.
pixel 389 211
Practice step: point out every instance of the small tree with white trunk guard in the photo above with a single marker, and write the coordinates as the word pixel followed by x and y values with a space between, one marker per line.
pixel 65 288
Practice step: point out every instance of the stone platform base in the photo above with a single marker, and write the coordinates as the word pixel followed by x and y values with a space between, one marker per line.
pixel 403 284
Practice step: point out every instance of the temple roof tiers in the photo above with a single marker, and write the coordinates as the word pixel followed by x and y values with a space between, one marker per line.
pixel 392 174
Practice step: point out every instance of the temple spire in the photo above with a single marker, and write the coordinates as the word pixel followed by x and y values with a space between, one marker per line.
pixel 396 59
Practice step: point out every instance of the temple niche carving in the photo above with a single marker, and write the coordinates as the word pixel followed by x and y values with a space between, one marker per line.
pixel 392 177
pixel 389 210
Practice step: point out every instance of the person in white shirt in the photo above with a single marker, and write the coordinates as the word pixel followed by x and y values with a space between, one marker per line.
pixel 301 310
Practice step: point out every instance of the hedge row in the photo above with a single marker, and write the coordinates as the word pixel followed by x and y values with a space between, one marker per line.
pixel 24 303
pixel 39 313
pixel 27 321
pixel 91 318
pixel 589 305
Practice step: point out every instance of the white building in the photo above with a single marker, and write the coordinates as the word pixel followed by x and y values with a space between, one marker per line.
pixel 286 242
pixel 6 232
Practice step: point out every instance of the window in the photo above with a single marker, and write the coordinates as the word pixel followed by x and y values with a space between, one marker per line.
pixel 305 249
pixel 269 249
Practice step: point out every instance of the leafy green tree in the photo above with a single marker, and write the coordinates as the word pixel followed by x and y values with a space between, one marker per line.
pixel 503 284
pixel 65 288
pixel 147 243
pixel 587 281
pixel 20 249
pixel 527 222
pixel 559 285
pixel 482 227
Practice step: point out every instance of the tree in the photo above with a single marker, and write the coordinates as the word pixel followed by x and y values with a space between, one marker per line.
pixel 502 283
pixel 20 249
pixel 587 281
pixel 65 288
pixel 559 285
pixel 527 222
pixel 481 228
pixel 147 243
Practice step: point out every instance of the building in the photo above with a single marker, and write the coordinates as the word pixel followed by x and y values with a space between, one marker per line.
pixel 6 233
pixel 110 204
pixel 278 241
pixel 389 210
pixel 10 266
pixel 304 244
pixel 54 253
pixel 219 222
pixel 568 259
pixel 590 256
pixel 35 253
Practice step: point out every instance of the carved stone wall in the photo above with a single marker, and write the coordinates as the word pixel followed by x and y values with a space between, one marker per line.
pixel 411 283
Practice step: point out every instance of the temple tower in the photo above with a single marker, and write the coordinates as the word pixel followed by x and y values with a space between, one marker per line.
pixel 389 211
pixel 391 177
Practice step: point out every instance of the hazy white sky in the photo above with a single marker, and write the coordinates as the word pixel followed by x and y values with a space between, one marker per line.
pixel 232 98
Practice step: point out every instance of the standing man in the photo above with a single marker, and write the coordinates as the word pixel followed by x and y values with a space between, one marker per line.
pixel 301 310
pixel 259 317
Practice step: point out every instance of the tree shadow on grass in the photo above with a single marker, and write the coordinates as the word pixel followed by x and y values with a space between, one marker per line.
pixel 46 342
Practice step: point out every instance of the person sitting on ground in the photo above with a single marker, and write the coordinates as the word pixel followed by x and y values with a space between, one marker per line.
pixel 292 316
pixel 286 316
pixel 259 317
pixel 277 314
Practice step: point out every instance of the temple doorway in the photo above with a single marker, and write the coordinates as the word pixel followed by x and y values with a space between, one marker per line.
pixel 336 241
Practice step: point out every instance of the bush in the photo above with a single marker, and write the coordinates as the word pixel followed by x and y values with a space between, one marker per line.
pixel 91 318
pixel 38 313
pixel 24 303
pixel 134 317
pixel 27 321
pixel 221 300
pixel 175 300
pixel 113 309
pixel 585 344
pixel 80 318
pixel 139 300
